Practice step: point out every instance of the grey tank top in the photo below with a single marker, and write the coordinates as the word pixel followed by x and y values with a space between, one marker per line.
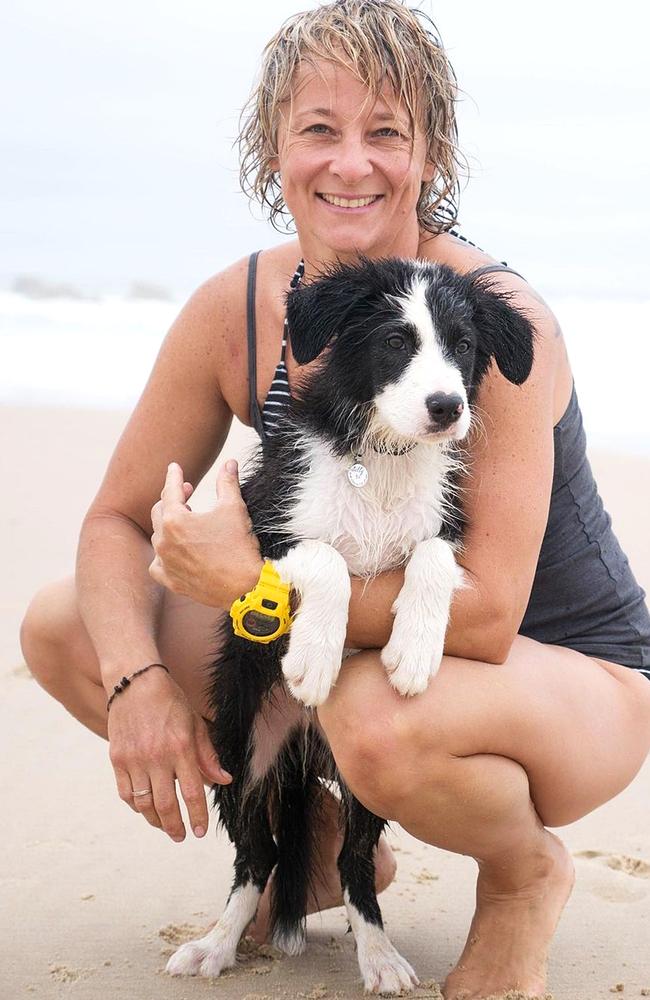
pixel 584 594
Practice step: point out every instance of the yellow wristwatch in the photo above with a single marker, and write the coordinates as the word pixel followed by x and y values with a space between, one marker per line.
pixel 263 614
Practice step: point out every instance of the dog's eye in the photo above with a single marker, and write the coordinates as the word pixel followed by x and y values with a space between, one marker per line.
pixel 463 346
pixel 395 341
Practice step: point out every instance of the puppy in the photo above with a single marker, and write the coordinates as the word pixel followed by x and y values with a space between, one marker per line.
pixel 358 478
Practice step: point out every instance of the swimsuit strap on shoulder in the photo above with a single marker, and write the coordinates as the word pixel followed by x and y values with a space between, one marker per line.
pixel 251 335
pixel 489 268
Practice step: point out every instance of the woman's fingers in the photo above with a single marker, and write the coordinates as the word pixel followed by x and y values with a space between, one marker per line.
pixel 124 787
pixel 142 797
pixel 193 792
pixel 166 804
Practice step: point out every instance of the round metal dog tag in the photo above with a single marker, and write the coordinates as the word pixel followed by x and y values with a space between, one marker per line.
pixel 358 474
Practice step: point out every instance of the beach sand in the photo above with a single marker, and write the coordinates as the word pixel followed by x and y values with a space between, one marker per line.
pixel 94 900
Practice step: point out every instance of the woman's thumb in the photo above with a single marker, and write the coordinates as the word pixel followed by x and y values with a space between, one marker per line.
pixel 228 481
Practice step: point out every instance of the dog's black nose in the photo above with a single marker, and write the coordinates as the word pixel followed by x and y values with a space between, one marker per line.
pixel 444 409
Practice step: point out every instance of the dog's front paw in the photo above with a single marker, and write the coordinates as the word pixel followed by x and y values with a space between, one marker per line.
pixel 201 957
pixel 383 969
pixel 411 660
pixel 310 670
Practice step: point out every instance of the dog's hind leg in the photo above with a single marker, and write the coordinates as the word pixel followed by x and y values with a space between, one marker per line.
pixel 254 861
pixel 382 967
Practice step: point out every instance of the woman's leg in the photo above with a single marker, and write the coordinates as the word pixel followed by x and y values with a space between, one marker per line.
pixel 60 655
pixel 479 764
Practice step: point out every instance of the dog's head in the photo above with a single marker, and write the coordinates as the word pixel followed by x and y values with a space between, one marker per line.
pixel 404 347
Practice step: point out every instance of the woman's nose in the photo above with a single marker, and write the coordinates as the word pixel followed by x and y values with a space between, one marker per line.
pixel 351 162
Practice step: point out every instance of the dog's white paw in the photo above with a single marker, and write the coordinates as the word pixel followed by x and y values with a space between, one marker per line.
pixel 320 576
pixel 383 969
pixel 411 661
pixel 310 671
pixel 201 958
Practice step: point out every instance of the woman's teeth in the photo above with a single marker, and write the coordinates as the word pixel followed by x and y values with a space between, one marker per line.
pixel 332 199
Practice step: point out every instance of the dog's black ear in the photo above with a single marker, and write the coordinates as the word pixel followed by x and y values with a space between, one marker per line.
pixel 505 333
pixel 313 317
pixel 320 311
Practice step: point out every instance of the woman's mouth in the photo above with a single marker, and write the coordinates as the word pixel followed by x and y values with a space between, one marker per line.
pixel 338 201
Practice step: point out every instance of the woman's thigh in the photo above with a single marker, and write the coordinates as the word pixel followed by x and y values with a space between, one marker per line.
pixel 187 637
pixel 579 727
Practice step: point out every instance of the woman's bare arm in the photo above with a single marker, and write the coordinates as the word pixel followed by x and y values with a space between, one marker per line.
pixel 181 415
pixel 155 737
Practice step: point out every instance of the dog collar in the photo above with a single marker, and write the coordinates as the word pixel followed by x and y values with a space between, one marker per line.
pixel 358 473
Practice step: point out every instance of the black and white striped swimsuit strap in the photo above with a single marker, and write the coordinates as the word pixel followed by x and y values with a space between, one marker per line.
pixel 265 420
pixel 279 393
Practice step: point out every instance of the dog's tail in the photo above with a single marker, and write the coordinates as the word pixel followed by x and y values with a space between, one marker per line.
pixel 296 812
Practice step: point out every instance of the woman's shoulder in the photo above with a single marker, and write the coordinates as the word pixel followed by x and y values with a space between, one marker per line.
pixel 463 256
pixel 455 251
pixel 228 287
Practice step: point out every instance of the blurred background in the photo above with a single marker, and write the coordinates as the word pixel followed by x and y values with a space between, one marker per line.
pixel 119 181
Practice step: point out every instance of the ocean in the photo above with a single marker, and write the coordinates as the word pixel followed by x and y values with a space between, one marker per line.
pixel 98 353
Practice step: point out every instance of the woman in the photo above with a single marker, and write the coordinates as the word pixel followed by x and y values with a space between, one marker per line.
pixel 537 714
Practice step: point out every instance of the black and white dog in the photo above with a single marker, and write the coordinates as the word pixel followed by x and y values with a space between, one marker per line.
pixel 359 478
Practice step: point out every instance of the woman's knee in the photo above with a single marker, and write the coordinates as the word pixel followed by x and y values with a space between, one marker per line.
pixel 371 734
pixel 51 632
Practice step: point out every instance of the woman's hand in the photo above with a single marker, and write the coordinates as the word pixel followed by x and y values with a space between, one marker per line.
pixel 156 739
pixel 212 557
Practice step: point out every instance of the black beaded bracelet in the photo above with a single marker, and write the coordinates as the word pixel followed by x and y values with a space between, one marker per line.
pixel 124 683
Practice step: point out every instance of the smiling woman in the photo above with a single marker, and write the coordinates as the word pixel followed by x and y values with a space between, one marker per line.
pixel 540 710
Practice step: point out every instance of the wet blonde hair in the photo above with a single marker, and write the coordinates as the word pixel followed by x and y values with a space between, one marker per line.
pixel 380 40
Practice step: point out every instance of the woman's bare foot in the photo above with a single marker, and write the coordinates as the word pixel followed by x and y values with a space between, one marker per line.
pixel 327 884
pixel 518 905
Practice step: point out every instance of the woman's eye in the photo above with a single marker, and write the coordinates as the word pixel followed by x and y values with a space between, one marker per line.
pixel 463 346
pixel 319 128
pixel 388 133
pixel 395 341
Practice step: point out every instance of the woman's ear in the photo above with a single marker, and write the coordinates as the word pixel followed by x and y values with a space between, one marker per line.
pixel 429 172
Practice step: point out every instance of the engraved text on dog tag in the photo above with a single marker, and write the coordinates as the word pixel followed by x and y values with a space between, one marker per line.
pixel 358 474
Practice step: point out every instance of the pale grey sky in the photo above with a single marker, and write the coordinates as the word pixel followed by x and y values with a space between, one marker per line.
pixel 117 123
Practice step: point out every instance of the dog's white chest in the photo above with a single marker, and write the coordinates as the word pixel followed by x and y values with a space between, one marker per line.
pixel 374 526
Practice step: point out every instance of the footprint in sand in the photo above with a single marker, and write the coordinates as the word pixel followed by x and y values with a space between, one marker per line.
pixel 636 867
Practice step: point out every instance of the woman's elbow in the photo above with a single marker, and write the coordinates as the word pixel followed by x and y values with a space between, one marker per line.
pixel 489 640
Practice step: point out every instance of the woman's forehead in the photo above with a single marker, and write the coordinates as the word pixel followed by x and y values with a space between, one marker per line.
pixel 327 86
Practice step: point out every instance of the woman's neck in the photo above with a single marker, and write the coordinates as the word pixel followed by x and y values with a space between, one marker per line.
pixel 405 244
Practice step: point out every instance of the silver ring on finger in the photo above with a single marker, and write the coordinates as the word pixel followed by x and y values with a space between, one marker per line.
pixel 139 794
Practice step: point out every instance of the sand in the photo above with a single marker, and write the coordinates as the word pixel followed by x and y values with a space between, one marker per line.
pixel 93 900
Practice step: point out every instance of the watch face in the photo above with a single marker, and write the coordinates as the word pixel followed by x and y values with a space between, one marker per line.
pixel 256 623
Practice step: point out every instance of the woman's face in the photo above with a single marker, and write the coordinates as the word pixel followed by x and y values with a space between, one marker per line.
pixel 351 170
